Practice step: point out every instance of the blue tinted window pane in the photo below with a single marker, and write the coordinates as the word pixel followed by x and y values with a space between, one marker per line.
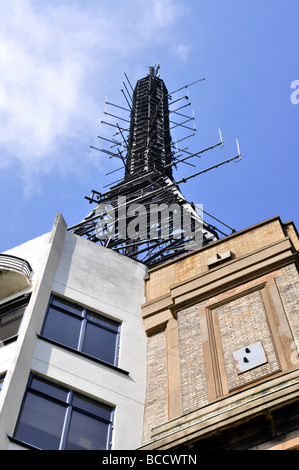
pixel 86 433
pixel 54 391
pixel 1 381
pixel 67 306
pixel 41 423
pixel 103 321
pixel 100 343
pixel 62 328
pixel 9 323
pixel 92 407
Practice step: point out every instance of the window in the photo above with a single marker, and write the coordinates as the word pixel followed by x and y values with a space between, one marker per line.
pixel 11 314
pixel 56 418
pixel 2 377
pixel 82 330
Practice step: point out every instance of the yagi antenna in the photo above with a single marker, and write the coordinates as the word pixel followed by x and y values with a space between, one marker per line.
pixel 221 140
pixel 148 155
pixel 238 147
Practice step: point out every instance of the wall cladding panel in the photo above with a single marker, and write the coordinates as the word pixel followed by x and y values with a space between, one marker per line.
pixel 288 287
pixel 156 405
pixel 193 378
pixel 243 322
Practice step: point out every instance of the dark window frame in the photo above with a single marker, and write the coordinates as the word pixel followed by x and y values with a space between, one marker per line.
pixel 2 377
pixel 68 405
pixel 9 308
pixel 84 315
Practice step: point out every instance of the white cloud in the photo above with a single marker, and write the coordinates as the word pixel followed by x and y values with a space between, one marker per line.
pixel 182 51
pixel 53 55
pixel 157 19
pixel 167 12
pixel 2 93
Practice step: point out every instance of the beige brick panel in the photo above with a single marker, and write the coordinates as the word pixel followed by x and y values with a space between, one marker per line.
pixel 156 404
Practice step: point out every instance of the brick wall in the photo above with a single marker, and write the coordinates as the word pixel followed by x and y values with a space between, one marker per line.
pixel 193 377
pixel 156 406
pixel 288 286
pixel 224 315
pixel 243 322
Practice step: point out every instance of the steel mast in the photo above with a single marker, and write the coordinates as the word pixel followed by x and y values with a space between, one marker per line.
pixel 139 215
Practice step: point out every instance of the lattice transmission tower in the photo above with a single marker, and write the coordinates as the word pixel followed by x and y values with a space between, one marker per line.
pixel 144 215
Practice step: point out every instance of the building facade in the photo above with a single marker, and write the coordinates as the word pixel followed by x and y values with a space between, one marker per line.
pixel 111 338
pixel 197 353
pixel 73 355
pixel 223 338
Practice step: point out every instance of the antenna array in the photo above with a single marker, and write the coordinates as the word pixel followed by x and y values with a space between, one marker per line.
pixel 143 144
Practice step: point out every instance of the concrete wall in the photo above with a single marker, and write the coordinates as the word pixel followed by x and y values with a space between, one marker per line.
pixel 98 279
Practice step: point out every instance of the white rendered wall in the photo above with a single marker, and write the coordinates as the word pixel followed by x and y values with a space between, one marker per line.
pixel 105 282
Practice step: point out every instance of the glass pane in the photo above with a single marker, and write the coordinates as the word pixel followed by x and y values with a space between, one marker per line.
pixel 9 324
pixel 100 343
pixel 1 381
pixel 62 328
pixel 54 391
pixel 86 433
pixel 67 306
pixel 113 325
pixel 92 407
pixel 41 423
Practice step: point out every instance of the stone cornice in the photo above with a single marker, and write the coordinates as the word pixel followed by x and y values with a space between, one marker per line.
pixel 214 417
pixel 157 312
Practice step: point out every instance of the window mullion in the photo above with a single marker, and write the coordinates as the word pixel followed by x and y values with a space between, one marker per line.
pixel 67 421
pixel 82 331
pixel 117 349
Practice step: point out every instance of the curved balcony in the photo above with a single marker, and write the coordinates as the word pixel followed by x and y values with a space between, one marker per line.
pixel 15 275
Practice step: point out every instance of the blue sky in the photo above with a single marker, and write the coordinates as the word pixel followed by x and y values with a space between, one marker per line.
pixel 60 59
